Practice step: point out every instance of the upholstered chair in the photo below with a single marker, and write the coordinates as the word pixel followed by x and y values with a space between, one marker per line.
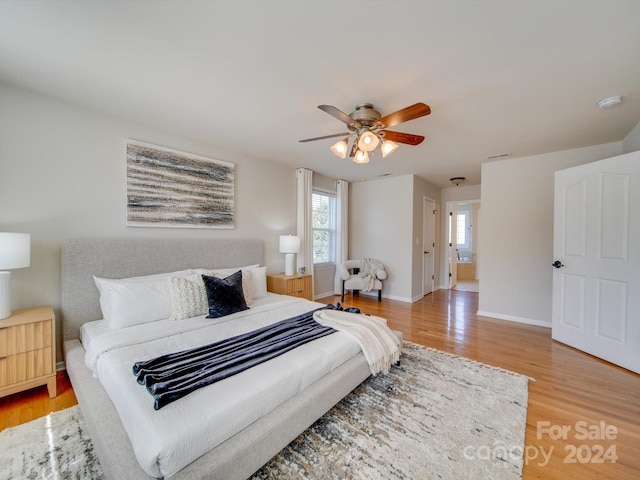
pixel 362 275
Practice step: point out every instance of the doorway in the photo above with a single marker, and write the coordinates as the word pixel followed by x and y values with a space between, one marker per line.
pixel 463 252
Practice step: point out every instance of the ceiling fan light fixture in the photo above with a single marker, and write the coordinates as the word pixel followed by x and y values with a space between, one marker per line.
pixel 368 141
pixel 339 149
pixel 388 147
pixel 361 157
pixel 367 128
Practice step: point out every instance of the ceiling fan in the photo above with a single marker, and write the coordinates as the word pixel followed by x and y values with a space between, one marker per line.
pixel 368 129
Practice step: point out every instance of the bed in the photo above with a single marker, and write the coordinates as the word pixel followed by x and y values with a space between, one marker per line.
pixel 243 453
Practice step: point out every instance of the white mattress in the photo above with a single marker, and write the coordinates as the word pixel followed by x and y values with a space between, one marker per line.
pixel 166 440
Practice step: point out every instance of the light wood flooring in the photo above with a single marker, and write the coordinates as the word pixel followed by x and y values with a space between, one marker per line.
pixel 571 389
pixel 467 286
pixel 25 406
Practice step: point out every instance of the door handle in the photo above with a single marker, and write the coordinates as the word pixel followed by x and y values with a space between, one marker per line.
pixel 426 252
pixel 557 264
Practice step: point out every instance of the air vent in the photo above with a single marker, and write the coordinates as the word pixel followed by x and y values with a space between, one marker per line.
pixel 499 155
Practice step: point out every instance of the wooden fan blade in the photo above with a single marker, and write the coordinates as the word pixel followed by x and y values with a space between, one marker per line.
pixel 343 134
pixel 400 137
pixel 409 113
pixel 354 149
pixel 340 115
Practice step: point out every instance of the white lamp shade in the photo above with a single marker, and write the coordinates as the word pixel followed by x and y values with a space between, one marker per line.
pixel 368 142
pixel 339 149
pixel 387 147
pixel 15 250
pixel 289 244
pixel 361 157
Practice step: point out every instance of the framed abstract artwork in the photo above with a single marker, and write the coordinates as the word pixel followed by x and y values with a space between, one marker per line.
pixel 168 188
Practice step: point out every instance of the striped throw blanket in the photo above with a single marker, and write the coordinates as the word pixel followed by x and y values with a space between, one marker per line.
pixel 172 376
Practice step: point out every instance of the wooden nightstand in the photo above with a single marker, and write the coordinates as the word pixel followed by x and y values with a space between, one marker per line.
pixel 28 351
pixel 295 285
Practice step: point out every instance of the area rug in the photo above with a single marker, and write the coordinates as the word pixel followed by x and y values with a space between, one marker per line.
pixel 434 416
pixel 54 447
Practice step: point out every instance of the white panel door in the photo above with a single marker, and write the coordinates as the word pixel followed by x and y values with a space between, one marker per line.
pixel 429 244
pixel 453 246
pixel 596 279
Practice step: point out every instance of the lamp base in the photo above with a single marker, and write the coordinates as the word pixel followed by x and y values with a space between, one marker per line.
pixel 289 264
pixel 5 295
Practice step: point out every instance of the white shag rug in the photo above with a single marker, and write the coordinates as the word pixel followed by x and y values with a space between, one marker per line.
pixel 434 416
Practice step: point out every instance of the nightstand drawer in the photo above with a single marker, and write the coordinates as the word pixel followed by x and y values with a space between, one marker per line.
pixel 28 350
pixel 25 338
pixel 298 286
pixel 26 366
pixel 294 285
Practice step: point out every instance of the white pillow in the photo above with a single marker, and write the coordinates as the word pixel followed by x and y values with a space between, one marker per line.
pixel 135 300
pixel 259 282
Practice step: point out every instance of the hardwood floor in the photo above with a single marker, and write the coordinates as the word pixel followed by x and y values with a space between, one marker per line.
pixel 25 406
pixel 571 389
pixel 467 286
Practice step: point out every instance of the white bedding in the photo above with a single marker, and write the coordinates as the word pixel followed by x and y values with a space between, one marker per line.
pixel 166 440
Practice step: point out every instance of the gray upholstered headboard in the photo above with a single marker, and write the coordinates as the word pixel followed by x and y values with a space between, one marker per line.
pixel 121 258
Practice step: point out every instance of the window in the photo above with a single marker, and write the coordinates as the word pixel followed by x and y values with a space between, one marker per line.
pixel 463 229
pixel 323 212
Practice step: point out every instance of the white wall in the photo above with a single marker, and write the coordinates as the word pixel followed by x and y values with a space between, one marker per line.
pixel 381 227
pixel 516 233
pixel 386 223
pixel 631 142
pixel 63 176
pixel 475 225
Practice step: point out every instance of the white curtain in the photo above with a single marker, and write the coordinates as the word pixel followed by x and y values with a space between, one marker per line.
pixel 304 179
pixel 342 230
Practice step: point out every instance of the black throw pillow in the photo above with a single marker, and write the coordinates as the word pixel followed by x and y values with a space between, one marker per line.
pixel 224 295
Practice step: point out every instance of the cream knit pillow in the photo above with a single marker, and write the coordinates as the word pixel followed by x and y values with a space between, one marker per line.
pixel 188 297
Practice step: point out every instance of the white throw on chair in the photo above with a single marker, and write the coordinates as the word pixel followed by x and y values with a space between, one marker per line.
pixel 362 275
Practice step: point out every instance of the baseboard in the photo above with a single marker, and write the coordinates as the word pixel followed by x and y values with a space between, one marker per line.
pixel 323 295
pixel 374 294
pixel 420 297
pixel 60 366
pixel 513 318
pixel 400 299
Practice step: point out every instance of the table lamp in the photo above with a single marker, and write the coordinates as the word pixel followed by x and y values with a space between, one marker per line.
pixel 15 252
pixel 289 245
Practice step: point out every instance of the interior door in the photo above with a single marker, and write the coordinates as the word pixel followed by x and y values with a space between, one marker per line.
pixel 453 246
pixel 476 224
pixel 429 234
pixel 596 279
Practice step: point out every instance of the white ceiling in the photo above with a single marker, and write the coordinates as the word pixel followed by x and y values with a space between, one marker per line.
pixel 513 77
